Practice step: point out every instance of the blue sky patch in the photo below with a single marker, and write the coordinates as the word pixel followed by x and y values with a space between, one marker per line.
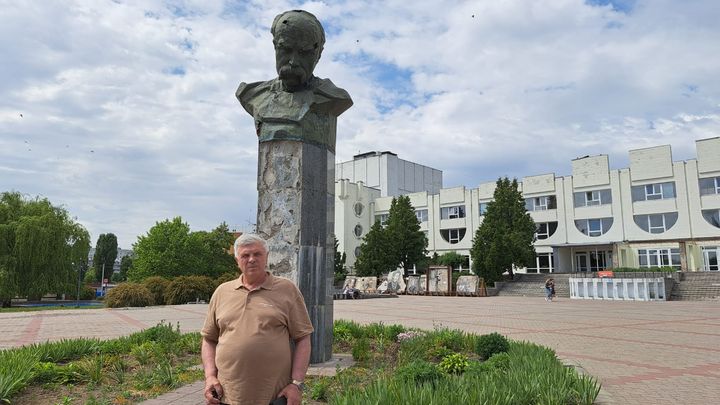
pixel 175 71
pixel 622 6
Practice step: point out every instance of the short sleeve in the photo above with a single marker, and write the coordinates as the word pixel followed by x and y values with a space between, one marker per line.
pixel 210 330
pixel 299 321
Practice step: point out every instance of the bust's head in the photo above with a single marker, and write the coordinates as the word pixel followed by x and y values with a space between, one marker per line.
pixel 299 39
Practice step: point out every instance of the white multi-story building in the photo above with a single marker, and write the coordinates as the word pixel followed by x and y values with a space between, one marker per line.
pixel 655 213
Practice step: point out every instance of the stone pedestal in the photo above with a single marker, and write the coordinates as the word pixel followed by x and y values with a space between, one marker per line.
pixel 296 211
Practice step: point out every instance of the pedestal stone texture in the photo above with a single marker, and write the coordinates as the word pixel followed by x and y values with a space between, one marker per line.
pixel 296 217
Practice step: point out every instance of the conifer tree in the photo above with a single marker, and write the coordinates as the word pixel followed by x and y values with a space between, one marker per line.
pixel 374 258
pixel 506 235
pixel 407 244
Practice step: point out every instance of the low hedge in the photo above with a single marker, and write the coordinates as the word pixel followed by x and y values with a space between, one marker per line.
pixel 128 295
pixel 184 289
pixel 157 286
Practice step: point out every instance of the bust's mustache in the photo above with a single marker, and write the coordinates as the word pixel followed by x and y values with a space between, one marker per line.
pixel 289 72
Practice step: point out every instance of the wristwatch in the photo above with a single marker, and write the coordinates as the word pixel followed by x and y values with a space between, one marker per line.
pixel 300 384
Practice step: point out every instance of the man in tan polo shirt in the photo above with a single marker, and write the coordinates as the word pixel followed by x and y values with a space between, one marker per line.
pixel 246 349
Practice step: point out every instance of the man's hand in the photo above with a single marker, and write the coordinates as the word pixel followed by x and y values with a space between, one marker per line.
pixel 212 384
pixel 292 393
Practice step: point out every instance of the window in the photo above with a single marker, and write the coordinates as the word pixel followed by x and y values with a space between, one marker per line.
pixel 358 208
pixel 422 215
pixel 713 217
pixel 357 252
pixel 589 198
pixel 656 223
pixel 457 211
pixel 358 230
pixel 543 264
pixel 483 208
pixel 710 258
pixel 594 226
pixel 710 185
pixel 453 235
pixel 659 258
pixel 545 230
pixel 656 191
pixel 547 202
pixel 382 218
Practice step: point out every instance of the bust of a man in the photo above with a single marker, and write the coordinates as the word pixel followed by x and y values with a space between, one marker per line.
pixel 296 105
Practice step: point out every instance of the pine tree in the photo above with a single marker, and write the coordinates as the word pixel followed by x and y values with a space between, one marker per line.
pixel 506 235
pixel 407 244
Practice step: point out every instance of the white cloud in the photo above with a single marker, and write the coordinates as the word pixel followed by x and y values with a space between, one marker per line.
pixel 129 115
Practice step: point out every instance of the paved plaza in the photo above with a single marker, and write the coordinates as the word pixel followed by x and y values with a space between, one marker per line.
pixel 642 352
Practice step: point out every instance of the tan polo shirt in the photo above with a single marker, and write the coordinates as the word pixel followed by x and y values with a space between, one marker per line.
pixel 253 330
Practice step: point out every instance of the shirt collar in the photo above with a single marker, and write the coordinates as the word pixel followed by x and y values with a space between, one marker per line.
pixel 267 284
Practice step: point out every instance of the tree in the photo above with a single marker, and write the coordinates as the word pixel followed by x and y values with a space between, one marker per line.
pixel 407 243
pixel 506 235
pixel 41 248
pixel 374 258
pixel 340 258
pixel 105 255
pixel 452 259
pixel 169 250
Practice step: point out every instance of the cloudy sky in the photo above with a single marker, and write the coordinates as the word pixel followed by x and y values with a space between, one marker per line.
pixel 124 112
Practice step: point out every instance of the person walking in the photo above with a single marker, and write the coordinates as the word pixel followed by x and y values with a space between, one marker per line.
pixel 549 289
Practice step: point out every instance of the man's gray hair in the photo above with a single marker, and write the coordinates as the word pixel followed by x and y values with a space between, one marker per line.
pixel 249 239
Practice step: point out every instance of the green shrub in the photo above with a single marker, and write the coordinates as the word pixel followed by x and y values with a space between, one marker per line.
pixel 319 388
pixel 225 277
pixel 454 363
pixel 87 293
pixel 489 344
pixel 349 328
pixel 418 372
pixel 128 295
pixel 184 289
pixel 452 339
pixel 157 286
pixel 361 349
pixel 665 269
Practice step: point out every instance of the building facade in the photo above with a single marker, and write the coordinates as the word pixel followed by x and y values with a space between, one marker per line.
pixel 655 213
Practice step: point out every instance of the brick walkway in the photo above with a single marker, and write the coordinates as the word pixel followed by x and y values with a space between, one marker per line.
pixel 643 353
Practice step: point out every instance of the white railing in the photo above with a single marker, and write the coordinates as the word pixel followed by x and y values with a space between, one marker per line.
pixel 631 289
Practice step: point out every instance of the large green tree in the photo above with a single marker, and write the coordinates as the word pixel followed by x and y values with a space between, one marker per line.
pixel 170 249
pixel 41 248
pixel 406 242
pixel 105 255
pixel 374 258
pixel 506 235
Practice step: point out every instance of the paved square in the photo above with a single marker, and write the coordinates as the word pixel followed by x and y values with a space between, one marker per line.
pixel 642 352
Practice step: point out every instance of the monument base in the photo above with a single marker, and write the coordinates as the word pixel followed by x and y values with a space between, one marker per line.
pixel 296 213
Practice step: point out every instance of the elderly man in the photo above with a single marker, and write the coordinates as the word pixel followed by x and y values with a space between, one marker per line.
pixel 296 105
pixel 246 350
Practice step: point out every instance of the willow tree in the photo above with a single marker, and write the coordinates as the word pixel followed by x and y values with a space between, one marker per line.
pixel 41 248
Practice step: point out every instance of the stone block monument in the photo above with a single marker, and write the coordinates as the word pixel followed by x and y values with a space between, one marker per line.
pixel 295 119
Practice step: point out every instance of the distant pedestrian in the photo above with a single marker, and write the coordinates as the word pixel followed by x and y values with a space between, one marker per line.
pixel 549 289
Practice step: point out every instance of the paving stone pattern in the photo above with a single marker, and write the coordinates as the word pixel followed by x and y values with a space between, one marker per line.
pixel 642 352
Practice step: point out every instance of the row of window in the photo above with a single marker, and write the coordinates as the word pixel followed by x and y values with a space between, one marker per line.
pixel 647 192
pixel 651 223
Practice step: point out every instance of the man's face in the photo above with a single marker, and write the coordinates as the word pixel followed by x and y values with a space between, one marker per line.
pixel 252 259
pixel 296 54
